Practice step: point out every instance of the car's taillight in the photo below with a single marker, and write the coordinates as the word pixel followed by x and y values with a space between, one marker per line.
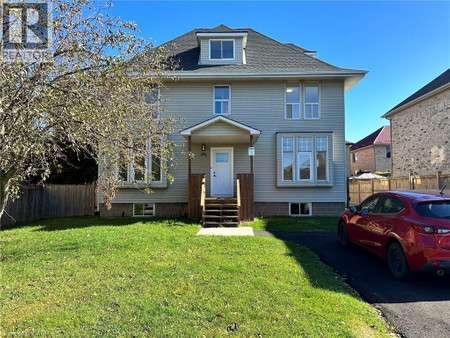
pixel 428 229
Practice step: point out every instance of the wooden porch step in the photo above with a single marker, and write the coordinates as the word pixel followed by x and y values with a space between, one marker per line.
pixel 221 205
pixel 220 216
pixel 222 210
pixel 220 223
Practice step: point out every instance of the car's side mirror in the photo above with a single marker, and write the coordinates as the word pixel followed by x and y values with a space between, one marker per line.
pixel 365 211
pixel 354 209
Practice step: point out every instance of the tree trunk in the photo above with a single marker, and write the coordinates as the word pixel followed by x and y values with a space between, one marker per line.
pixel 4 189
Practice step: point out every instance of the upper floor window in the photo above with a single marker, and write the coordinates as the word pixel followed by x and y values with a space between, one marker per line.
pixel 150 101
pixel 388 152
pixel 222 100
pixel 312 102
pixel 355 157
pixel 221 49
pixel 292 103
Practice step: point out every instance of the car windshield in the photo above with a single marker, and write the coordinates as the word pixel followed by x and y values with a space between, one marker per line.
pixel 440 209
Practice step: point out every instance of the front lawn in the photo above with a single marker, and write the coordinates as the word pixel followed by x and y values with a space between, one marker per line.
pixel 135 277
pixel 295 223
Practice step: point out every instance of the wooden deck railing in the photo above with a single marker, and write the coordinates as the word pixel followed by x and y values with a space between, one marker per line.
pixel 195 186
pixel 245 190
pixel 238 192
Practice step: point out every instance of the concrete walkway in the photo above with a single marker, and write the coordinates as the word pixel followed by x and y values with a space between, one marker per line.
pixel 243 231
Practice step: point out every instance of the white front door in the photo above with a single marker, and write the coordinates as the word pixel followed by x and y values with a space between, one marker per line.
pixel 222 172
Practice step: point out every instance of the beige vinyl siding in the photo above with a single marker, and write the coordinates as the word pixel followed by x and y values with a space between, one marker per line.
pixel 261 106
pixel 238 52
pixel 221 128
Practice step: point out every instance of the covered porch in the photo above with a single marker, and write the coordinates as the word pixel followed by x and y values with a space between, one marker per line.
pixel 220 171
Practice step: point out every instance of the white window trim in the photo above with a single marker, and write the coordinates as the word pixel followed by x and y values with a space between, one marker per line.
pixel 158 106
pixel 234 51
pixel 305 103
pixel 286 103
pixel 147 173
pixel 311 164
pixel 293 160
pixel 134 215
pixel 327 164
pixel 299 209
pixel 221 100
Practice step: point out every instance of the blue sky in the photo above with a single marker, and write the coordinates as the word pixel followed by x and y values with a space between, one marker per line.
pixel 402 44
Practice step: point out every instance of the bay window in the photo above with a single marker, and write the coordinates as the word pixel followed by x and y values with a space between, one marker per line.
pixel 305 159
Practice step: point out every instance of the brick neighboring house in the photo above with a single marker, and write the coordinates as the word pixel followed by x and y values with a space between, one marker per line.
pixel 420 129
pixel 348 171
pixel 372 153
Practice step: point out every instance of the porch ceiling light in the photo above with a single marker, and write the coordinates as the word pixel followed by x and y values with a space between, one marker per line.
pixel 203 147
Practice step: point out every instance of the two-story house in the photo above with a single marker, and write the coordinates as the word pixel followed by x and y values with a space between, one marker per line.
pixel 264 121
pixel 372 153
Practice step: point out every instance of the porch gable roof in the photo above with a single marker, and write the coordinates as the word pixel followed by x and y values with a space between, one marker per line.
pixel 190 131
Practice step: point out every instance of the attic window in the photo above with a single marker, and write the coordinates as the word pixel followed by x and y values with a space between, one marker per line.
pixel 221 49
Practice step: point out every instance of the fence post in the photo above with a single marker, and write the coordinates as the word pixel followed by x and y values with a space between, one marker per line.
pixel 438 179
pixel 389 183
pixel 348 193
pixel 359 192
pixel 371 186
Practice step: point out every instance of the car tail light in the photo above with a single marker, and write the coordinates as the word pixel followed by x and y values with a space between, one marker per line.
pixel 428 229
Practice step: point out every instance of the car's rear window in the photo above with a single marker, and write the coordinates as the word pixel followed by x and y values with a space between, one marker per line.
pixel 440 209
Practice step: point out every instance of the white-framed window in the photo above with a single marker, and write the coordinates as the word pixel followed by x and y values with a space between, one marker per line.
pixel 322 158
pixel 355 157
pixel 144 169
pixel 288 159
pixel 221 49
pixel 300 209
pixel 312 94
pixel 222 101
pixel 304 159
pixel 143 209
pixel 292 97
pixel 151 98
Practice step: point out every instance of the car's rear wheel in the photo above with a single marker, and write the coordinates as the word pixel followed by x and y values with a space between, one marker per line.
pixel 342 233
pixel 397 262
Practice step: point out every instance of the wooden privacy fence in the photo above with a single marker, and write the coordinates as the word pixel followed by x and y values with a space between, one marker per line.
pixel 246 191
pixel 50 201
pixel 358 190
pixel 195 188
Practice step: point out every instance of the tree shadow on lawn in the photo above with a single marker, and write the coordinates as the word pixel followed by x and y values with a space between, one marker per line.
pixel 67 223
pixel 366 273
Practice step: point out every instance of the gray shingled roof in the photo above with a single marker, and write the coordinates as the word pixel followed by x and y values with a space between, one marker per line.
pixel 263 54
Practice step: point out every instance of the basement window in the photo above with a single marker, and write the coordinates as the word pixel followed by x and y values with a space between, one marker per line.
pixel 300 209
pixel 143 209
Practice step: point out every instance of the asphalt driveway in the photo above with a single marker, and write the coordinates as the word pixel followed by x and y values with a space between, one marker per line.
pixel 417 309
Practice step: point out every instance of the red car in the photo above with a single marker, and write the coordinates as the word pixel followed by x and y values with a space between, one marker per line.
pixel 410 230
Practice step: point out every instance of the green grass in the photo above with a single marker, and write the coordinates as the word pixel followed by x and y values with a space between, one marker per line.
pixel 295 223
pixel 133 277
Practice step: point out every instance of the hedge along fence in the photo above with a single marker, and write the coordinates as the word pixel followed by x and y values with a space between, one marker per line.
pixel 50 201
pixel 358 190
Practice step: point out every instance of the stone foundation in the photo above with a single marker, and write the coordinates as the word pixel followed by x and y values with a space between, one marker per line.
pixel 169 210
pixel 267 209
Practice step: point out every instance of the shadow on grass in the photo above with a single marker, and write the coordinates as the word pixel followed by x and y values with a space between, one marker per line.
pixel 61 224
pixel 363 271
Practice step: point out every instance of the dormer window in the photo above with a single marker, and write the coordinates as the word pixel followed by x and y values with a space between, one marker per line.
pixel 221 49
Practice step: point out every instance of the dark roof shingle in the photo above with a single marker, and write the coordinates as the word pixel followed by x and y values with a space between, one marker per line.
pixel 263 54
pixel 441 80
pixel 380 136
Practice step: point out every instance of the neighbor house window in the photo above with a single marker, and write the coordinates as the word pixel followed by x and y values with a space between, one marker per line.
pixel 321 158
pixel 288 159
pixel 144 169
pixel 292 102
pixel 143 209
pixel 221 49
pixel 304 158
pixel 311 102
pixel 222 100
pixel 300 209
pixel 388 152
pixel 355 157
